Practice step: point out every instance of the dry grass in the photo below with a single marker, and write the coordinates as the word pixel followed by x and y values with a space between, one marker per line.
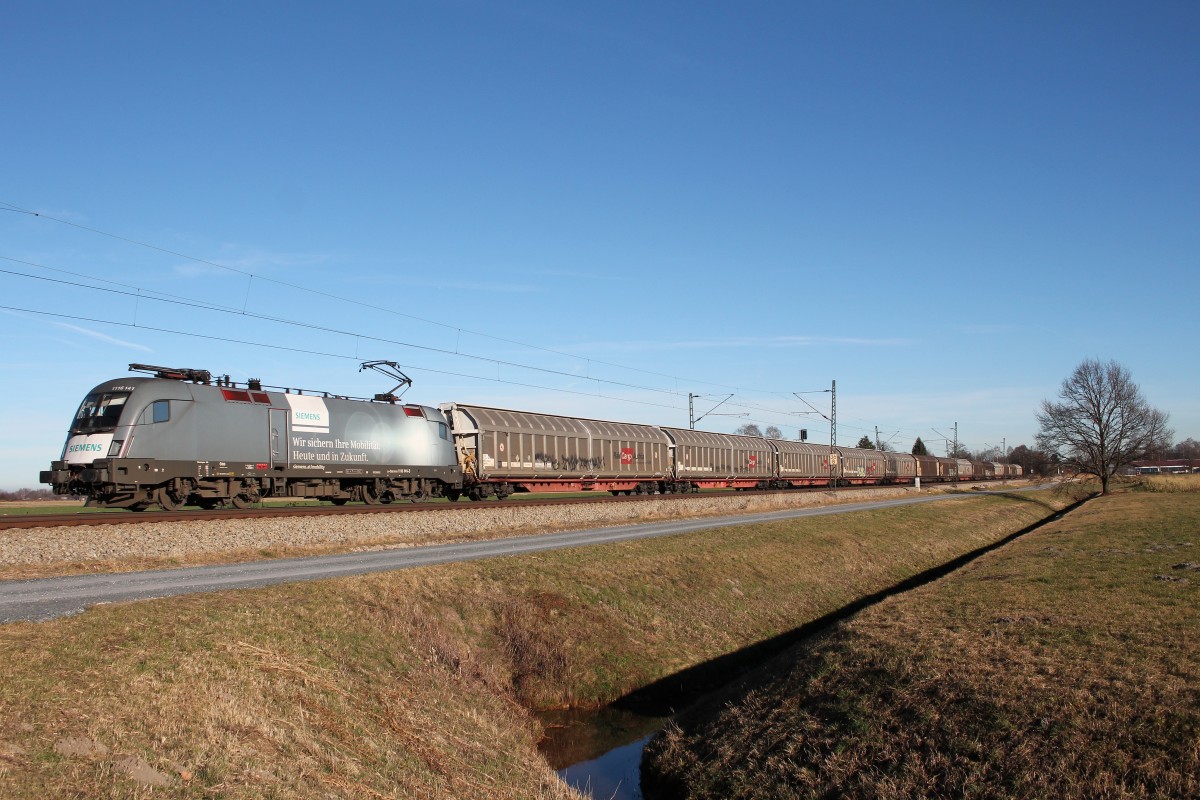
pixel 1065 665
pixel 1169 483
pixel 415 683
pixel 351 691
pixel 125 552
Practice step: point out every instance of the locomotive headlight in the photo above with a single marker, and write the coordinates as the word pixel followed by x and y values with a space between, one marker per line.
pixel 115 447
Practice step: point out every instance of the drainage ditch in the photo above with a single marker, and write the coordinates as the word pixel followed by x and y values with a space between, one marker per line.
pixel 599 752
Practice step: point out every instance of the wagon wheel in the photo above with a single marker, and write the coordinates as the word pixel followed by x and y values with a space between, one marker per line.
pixel 209 503
pixel 339 501
pixel 168 499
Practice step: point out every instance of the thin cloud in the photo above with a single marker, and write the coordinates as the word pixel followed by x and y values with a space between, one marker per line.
pixel 103 337
pixel 578 274
pixel 740 342
pixel 260 262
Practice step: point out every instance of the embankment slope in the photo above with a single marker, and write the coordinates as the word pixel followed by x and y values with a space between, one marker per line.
pixel 417 683
pixel 1065 664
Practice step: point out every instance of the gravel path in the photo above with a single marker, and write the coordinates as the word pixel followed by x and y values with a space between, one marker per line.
pixel 187 540
pixel 47 598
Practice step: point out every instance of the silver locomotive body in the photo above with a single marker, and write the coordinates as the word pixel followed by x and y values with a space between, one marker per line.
pixel 179 438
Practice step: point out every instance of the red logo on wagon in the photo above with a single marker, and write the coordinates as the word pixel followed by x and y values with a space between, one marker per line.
pixel 626 455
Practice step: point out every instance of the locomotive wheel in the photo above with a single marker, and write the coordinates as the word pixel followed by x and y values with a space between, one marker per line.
pixel 452 495
pixel 373 495
pixel 244 500
pixel 170 501
pixel 209 503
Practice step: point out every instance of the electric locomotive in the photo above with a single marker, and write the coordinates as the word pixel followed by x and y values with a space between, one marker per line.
pixel 181 436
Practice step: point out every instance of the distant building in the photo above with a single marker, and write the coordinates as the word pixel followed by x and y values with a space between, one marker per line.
pixel 1166 466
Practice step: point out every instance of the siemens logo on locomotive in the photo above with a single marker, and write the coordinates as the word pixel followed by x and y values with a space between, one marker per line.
pixel 84 448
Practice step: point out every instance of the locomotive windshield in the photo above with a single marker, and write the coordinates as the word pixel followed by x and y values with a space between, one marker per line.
pixel 99 412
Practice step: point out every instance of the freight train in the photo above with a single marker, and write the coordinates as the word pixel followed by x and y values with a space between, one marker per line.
pixel 181 436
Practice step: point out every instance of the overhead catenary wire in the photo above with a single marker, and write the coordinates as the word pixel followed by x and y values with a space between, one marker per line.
pixel 348 357
pixel 140 293
pixel 306 351
pixel 326 329
pixel 12 207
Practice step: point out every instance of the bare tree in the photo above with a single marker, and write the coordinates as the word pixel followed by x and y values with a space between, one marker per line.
pixel 749 429
pixel 773 432
pixel 1103 423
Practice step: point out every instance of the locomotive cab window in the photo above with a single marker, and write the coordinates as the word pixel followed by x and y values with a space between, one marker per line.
pixel 99 412
pixel 160 411
pixel 442 430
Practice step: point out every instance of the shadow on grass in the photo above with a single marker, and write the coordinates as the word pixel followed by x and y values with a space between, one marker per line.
pixel 667 695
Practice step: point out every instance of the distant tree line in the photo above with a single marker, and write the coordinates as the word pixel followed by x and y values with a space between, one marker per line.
pixel 750 429
pixel 27 494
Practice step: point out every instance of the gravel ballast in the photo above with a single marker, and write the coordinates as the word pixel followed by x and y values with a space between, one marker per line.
pixel 199 540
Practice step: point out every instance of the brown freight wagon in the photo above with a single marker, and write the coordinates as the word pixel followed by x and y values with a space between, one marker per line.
pixel 503 451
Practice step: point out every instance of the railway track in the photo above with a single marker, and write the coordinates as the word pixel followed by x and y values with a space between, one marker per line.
pixel 98 517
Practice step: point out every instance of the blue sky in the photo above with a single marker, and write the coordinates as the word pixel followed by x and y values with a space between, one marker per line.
pixel 595 209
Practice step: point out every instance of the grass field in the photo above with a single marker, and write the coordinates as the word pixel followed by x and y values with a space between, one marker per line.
pixel 416 683
pixel 1066 664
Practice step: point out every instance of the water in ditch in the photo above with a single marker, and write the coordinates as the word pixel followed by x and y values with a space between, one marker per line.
pixel 599 752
